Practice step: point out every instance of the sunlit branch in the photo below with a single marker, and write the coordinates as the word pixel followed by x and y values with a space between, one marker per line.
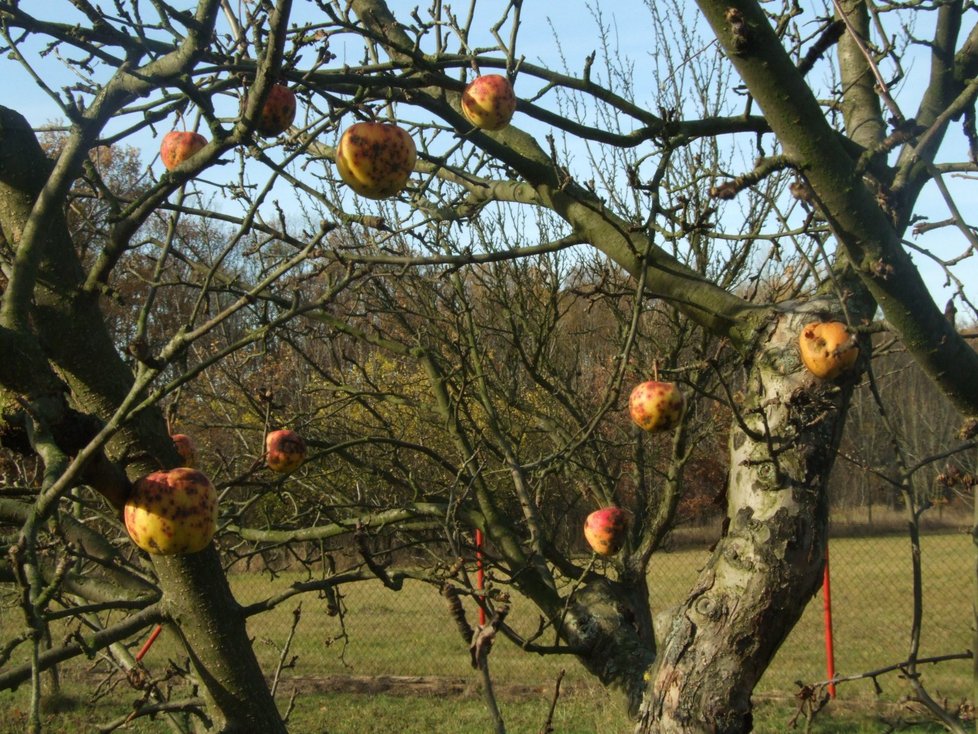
pixel 84 645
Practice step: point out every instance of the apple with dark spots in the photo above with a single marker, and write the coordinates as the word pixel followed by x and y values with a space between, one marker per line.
pixel 827 348
pixel 172 512
pixel 277 113
pixel 489 102
pixel 605 530
pixel 375 159
pixel 656 406
pixel 178 146
pixel 284 451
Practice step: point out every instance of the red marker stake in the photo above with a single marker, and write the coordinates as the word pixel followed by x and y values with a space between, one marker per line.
pixel 827 607
pixel 149 642
pixel 480 581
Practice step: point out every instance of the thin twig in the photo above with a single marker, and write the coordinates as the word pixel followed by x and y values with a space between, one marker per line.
pixel 881 86
pixel 480 648
pixel 548 725
pixel 296 615
pixel 490 696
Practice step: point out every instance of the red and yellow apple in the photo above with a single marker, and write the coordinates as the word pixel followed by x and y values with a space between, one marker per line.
pixel 656 406
pixel 284 451
pixel 178 146
pixel 277 113
pixel 489 102
pixel 605 530
pixel 375 159
pixel 827 348
pixel 186 448
pixel 172 512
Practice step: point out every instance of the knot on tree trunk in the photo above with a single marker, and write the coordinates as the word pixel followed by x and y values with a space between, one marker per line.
pixel 612 623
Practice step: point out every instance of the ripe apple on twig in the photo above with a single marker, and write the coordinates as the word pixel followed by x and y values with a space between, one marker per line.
pixel 488 102
pixel 278 112
pixel 375 159
pixel 284 451
pixel 172 512
pixel 656 406
pixel 605 530
pixel 178 146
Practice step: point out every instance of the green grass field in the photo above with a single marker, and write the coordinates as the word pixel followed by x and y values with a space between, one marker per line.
pixel 409 634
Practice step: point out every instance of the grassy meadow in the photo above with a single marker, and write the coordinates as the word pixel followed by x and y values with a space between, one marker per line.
pixel 404 649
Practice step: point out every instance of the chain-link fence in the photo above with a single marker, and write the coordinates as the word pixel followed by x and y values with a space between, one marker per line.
pixel 368 637
pixel 363 637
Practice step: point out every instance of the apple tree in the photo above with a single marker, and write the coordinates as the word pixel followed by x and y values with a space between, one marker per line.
pixel 429 283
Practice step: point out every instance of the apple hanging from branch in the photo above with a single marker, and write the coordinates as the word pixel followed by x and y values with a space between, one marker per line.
pixel 656 406
pixel 278 112
pixel 489 102
pixel 178 146
pixel 284 451
pixel 375 159
pixel 172 512
pixel 605 530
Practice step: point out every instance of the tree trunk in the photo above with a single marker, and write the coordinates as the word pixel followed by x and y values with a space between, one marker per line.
pixel 974 659
pixel 769 562
pixel 611 621
pixel 197 598
pixel 67 330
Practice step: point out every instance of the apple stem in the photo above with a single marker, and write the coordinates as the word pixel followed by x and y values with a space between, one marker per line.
pixel 655 370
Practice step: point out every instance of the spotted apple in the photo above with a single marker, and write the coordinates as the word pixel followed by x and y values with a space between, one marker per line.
pixel 172 512
pixel 277 113
pixel 605 530
pixel 375 159
pixel 186 448
pixel 178 146
pixel 489 102
pixel 827 348
pixel 656 406
pixel 284 451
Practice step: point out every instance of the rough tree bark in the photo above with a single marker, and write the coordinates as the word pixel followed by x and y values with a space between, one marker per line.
pixel 611 623
pixel 769 561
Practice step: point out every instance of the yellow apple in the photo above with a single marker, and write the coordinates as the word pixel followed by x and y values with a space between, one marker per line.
pixel 489 102
pixel 375 159
pixel 172 512
pixel 656 406
pixel 827 348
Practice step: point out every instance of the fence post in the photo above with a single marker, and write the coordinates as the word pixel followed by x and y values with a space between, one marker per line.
pixel 480 580
pixel 827 608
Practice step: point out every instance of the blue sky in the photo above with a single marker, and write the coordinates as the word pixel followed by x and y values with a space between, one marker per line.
pixel 571 23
